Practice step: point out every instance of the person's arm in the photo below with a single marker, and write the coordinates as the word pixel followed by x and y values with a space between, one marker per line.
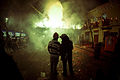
pixel 49 45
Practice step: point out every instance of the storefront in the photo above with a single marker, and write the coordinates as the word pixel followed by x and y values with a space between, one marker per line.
pixel 110 41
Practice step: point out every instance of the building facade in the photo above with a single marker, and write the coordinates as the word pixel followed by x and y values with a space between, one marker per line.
pixel 102 25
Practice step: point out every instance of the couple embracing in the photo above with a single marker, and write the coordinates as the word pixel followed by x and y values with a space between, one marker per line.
pixel 64 50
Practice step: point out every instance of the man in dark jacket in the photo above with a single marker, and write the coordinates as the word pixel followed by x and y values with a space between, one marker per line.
pixel 54 50
pixel 66 53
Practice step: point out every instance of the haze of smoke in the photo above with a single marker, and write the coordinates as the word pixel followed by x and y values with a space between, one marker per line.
pixel 39 37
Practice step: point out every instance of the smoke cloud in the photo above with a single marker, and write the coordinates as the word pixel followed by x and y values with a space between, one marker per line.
pixel 24 14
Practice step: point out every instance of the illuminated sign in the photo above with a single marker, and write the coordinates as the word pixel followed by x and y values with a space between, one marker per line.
pixel 4 33
pixel 17 34
pixel 23 34
pixel 11 33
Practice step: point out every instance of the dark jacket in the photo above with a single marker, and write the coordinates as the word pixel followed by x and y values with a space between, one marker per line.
pixel 66 49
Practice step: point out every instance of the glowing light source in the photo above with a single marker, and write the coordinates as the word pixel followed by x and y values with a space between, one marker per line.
pixel 40 24
pixel 54 18
pixel 6 19
pixel 55 14
pixel 78 26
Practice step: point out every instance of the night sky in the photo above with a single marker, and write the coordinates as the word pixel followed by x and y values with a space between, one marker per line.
pixel 22 5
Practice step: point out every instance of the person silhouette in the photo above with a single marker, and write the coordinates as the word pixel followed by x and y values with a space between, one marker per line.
pixel 66 54
pixel 54 50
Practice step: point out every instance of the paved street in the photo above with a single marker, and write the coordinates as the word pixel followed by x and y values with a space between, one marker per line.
pixel 34 65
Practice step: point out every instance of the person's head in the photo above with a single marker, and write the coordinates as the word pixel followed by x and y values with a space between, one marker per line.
pixel 55 35
pixel 64 37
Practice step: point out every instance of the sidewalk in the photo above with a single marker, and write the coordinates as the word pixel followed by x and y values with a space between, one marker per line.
pixel 106 67
pixel 90 49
